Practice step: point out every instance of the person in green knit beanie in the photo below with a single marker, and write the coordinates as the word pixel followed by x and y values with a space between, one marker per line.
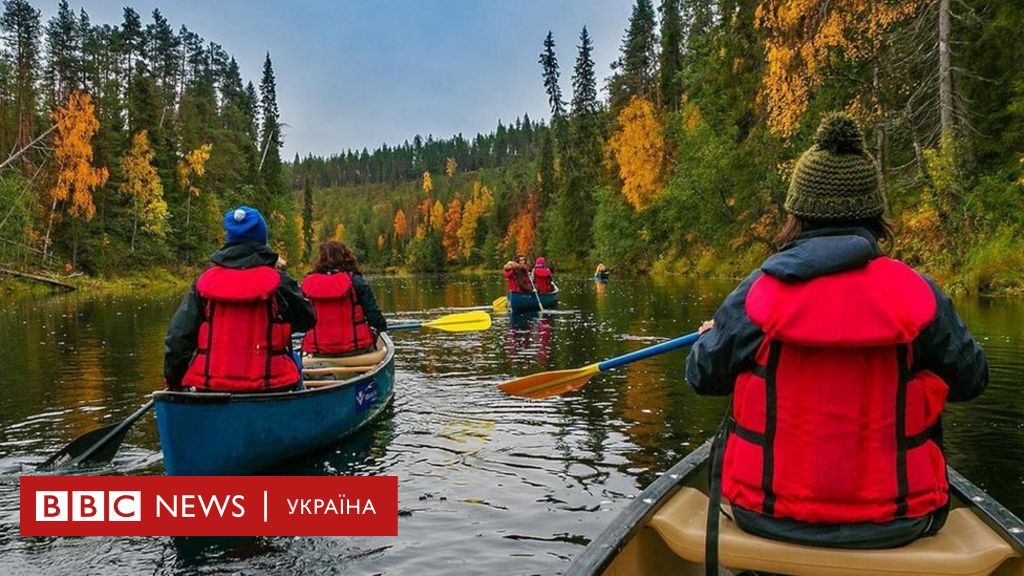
pixel 840 360
pixel 835 181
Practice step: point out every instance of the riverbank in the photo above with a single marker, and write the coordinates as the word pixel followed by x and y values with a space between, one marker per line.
pixel 157 280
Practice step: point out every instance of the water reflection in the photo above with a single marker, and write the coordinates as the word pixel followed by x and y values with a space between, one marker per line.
pixel 488 483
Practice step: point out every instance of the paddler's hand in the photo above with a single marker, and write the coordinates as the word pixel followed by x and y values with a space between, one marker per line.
pixel 705 326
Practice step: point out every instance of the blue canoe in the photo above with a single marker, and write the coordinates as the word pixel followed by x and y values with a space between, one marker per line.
pixel 527 301
pixel 216 434
pixel 602 276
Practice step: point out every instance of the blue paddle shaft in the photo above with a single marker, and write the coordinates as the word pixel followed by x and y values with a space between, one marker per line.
pixel 642 353
pixel 406 326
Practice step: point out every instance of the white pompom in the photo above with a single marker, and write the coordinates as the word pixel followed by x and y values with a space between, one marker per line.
pixel 239 215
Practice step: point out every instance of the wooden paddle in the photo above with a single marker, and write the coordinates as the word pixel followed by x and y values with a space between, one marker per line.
pixel 462 322
pixel 95 447
pixel 557 382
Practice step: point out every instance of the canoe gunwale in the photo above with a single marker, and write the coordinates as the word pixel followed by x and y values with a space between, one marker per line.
pixel 184 397
pixel 602 551
pixel 991 512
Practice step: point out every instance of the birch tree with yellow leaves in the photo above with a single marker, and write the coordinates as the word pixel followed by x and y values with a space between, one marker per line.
pixel 143 188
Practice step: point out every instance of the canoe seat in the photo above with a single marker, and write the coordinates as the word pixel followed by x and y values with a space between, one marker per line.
pixel 965 546
pixel 371 358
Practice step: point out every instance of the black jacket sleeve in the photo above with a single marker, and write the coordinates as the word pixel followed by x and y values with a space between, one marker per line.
pixel 947 348
pixel 181 339
pixel 293 306
pixel 727 350
pixel 365 294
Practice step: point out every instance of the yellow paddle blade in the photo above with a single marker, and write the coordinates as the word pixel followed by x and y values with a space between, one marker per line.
pixel 462 322
pixel 552 383
pixel 501 304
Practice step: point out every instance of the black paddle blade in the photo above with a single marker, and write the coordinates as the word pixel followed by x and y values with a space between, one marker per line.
pixel 95 447
pixel 81 444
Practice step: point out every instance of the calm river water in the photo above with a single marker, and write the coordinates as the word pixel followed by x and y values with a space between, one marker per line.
pixel 488 484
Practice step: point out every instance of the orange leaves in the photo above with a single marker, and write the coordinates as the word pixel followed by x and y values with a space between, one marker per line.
pixel 401 225
pixel 522 230
pixel 76 178
pixel 639 150
pixel 451 229
pixel 804 37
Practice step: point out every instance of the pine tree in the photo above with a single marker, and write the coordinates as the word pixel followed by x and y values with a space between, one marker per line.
pixel 20 28
pixel 63 66
pixel 131 43
pixel 636 68
pixel 270 134
pixel 671 56
pixel 161 47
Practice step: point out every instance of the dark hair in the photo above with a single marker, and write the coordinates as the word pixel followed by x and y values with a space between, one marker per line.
pixel 334 256
pixel 881 226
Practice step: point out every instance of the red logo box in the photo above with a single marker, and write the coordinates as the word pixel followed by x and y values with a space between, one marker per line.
pixel 209 505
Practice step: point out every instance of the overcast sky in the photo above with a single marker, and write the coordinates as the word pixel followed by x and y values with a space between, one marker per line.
pixel 355 73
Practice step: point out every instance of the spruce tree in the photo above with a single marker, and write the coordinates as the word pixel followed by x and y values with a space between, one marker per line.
pixel 270 134
pixel 635 70
pixel 549 63
pixel 671 57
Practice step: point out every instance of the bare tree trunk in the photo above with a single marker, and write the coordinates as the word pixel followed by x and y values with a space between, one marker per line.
pixel 49 228
pixel 945 71
pixel 880 149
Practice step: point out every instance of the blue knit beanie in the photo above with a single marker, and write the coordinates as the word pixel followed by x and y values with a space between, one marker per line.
pixel 245 224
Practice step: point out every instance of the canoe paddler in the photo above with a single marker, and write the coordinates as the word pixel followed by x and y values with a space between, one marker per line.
pixel 349 318
pixel 517 275
pixel 840 361
pixel 232 331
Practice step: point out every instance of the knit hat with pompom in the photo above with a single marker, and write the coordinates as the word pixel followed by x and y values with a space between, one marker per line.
pixel 835 179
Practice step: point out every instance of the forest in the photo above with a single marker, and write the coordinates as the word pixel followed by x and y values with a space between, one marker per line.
pixel 127 142
pixel 130 139
pixel 680 161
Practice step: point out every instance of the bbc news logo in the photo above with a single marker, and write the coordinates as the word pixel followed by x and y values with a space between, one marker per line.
pixel 209 506
pixel 89 506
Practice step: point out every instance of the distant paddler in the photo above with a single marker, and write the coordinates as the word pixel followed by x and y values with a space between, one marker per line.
pixel 542 278
pixel 602 273
pixel 232 331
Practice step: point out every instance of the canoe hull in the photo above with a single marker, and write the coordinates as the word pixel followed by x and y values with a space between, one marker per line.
pixel 527 302
pixel 223 434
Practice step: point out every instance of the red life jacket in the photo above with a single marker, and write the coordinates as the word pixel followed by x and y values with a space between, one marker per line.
pixel 515 279
pixel 833 425
pixel 341 326
pixel 542 280
pixel 243 345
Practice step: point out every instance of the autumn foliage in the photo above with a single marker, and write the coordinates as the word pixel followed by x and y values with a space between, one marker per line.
pixel 804 37
pixel 638 148
pixel 453 222
pixel 143 188
pixel 76 178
